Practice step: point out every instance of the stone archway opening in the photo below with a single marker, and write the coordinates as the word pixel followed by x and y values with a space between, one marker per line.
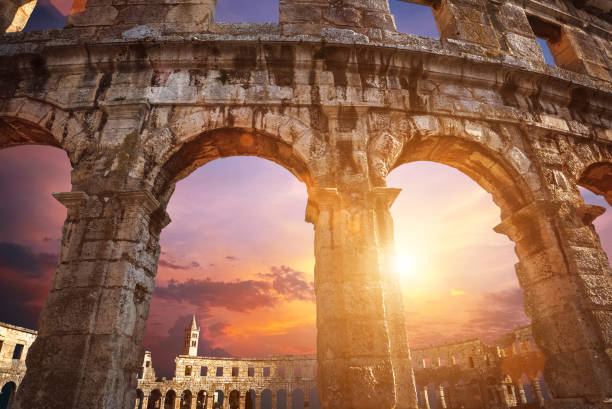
pixel 7 395
pixel 595 187
pixel 458 274
pixel 247 214
pixel 31 220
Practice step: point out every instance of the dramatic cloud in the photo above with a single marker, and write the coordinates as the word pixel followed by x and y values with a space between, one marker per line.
pixel 281 283
pixel 167 346
pixel 290 283
pixel 22 260
pixel 26 279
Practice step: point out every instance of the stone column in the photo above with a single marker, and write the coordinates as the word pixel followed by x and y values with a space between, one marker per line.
pixel 274 403
pixel 14 14
pixel 145 402
pixel 405 388
pixel 91 326
pixel 537 391
pixel 522 397
pixel 443 404
pixel 425 395
pixel 194 401
pixel 355 368
pixel 565 275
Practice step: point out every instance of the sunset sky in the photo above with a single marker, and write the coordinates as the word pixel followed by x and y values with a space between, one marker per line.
pixel 239 254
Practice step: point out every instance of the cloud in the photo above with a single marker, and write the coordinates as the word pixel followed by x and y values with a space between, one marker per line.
pixel 166 347
pixel 231 258
pixel 26 281
pixel 24 261
pixel 486 316
pixel 169 264
pixel 280 284
pixel 290 283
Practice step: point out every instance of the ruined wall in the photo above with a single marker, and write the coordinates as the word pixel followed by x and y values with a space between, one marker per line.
pixel 13 370
pixel 141 96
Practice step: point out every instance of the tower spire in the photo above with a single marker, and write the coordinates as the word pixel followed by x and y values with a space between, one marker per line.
pixel 192 337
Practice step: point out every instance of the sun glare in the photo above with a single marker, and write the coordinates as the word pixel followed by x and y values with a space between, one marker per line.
pixel 404 264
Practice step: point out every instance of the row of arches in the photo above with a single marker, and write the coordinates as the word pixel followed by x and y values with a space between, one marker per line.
pixel 508 199
pixel 266 399
pixel 489 392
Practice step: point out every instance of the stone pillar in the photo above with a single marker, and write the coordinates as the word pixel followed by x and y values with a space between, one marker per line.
pixel 274 403
pixel 91 326
pixel 537 391
pixel 405 388
pixel 289 399
pixel 425 395
pixel 522 397
pixel 565 275
pixel 194 401
pixel 355 368
pixel 14 14
pixel 145 402
pixel 443 404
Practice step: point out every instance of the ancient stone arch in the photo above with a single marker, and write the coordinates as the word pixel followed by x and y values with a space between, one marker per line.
pixel 140 94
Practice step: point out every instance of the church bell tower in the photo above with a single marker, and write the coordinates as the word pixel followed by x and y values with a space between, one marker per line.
pixel 192 336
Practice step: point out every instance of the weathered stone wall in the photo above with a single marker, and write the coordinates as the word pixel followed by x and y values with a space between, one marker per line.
pixel 13 370
pixel 138 104
pixel 260 375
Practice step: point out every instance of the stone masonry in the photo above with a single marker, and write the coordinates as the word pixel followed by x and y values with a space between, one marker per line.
pixel 141 93
pixel 15 343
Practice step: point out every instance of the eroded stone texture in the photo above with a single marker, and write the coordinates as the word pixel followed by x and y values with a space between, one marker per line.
pixel 14 14
pixel 139 103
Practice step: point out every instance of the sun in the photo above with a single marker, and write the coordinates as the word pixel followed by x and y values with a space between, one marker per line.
pixel 404 263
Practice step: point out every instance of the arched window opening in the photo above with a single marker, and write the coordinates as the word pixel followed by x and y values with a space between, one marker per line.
pixel 249 401
pixel 314 399
pixel 7 395
pixel 139 399
pixel 155 400
pixel 30 235
pixel 237 237
pixel 186 398
pixel 456 273
pixel 234 399
pixel 266 399
pixel 469 295
pixel 169 399
pixel 412 18
pixel 595 187
pixel 218 399
pixel 281 399
pixel 297 399
pixel 242 11
pixel 555 46
pixel 201 401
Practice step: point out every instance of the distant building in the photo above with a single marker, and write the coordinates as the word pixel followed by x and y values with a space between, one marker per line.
pixel 468 374
pixel 15 343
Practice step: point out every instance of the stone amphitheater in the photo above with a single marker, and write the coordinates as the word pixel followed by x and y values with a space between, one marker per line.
pixel 140 93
